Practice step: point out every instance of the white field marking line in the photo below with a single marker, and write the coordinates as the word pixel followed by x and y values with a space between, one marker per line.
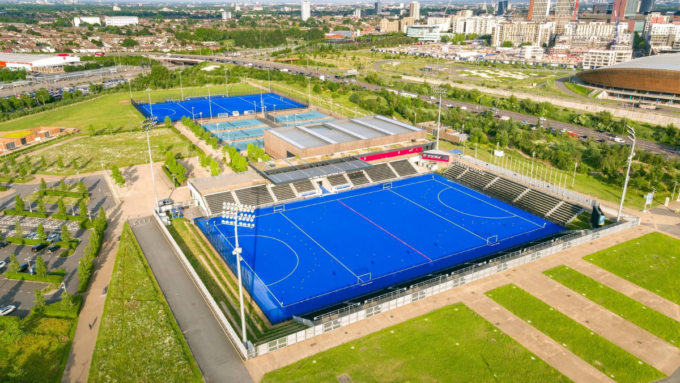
pixel 291 249
pixel 250 102
pixel 471 215
pixel 488 203
pixel 445 219
pixel 322 248
pixel 172 110
pixel 348 197
pixel 277 100
pixel 219 106
pixel 182 106
pixel 251 269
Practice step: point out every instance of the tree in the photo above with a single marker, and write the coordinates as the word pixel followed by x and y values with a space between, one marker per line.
pixel 61 207
pixel 74 164
pixel 81 187
pixel 40 266
pixel 19 204
pixel 14 265
pixel 39 307
pixel 65 234
pixel 43 96
pixel 507 44
pixel 129 43
pixel 63 186
pixel 67 299
pixel 12 332
pixel 41 207
pixel 84 268
pixel 82 208
pixel 43 184
pixel 101 213
pixel 40 231
pixel 60 162
pixel 317 88
pixel 18 231
pixel 91 130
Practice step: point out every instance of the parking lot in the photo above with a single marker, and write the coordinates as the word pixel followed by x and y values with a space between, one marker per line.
pixel 21 293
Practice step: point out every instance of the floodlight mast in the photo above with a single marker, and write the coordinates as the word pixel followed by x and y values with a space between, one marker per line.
pixel 631 134
pixel 147 125
pixel 231 214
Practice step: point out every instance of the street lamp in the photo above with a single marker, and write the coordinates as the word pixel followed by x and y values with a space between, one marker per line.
pixel 209 102
pixel 147 125
pixel 439 91
pixel 631 134
pixel 239 216
pixel 148 91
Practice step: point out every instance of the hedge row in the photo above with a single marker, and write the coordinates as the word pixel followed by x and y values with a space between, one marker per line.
pixel 24 213
pixel 54 278
pixel 57 193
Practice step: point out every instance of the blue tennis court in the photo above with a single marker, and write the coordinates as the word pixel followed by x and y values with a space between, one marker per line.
pixel 240 134
pixel 300 117
pixel 333 249
pixel 216 106
pixel 228 125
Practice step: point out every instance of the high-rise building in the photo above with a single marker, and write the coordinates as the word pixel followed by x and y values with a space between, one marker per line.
pixel 226 15
pixel 538 10
pixel 414 10
pixel 306 10
pixel 566 10
pixel 646 6
pixel 377 7
pixel 502 8
pixel 357 13
pixel 623 9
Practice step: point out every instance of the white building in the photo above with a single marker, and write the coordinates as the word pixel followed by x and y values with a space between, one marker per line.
pixel 77 21
pixel 443 22
pixel 306 11
pixel 480 25
pixel 36 63
pixel 357 13
pixel 596 58
pixel 120 21
pixel 226 15
pixel 424 32
pixel 414 10
pixel 522 32
pixel 663 38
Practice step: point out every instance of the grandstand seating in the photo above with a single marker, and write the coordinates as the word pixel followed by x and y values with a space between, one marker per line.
pixel 380 172
pixel 215 201
pixel 254 196
pixel 455 170
pixel 283 192
pixel 476 179
pixel 565 212
pixel 537 202
pixel 358 178
pixel 337 180
pixel 304 186
pixel 506 190
pixel 403 168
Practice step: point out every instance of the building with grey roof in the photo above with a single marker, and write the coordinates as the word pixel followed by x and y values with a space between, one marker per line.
pixel 326 138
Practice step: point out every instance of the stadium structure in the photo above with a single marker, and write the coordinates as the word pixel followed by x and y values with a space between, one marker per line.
pixel 652 79
pixel 352 209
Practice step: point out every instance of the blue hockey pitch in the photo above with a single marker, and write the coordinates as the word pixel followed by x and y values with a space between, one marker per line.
pixel 196 106
pixel 332 249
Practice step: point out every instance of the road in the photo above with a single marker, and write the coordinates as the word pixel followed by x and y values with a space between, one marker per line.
pixel 214 353
pixel 658 148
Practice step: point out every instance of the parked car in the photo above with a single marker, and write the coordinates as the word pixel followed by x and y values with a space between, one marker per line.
pixel 7 310
pixel 53 249
pixel 31 236
pixel 600 131
pixel 619 140
pixel 2 264
pixel 53 238
pixel 32 270
pixel 165 202
pixel 38 247
pixel 23 267
pixel 3 244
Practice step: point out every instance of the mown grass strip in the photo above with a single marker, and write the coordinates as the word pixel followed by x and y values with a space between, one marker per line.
pixel 628 308
pixel 452 344
pixel 605 356
pixel 651 262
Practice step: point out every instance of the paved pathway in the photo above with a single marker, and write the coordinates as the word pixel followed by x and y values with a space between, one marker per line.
pixel 215 355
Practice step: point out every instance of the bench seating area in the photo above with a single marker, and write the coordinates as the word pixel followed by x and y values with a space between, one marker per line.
pixel 476 179
pixel 380 172
pixel 566 212
pixel 303 186
pixel 537 202
pixel 337 180
pixel 216 201
pixel 506 190
pixel 254 196
pixel 403 168
pixel 283 192
pixel 454 171
pixel 358 178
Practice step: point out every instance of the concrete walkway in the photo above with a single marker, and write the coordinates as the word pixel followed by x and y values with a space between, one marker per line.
pixel 210 345
pixel 633 339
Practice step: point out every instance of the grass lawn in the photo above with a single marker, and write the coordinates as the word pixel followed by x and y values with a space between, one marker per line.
pixel 611 360
pixel 139 339
pixel 120 149
pixel 114 109
pixel 452 344
pixel 651 262
pixel 578 89
pixel 40 352
pixel 628 308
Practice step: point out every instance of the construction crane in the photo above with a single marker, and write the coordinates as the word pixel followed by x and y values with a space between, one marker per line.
pixel 446 9
pixel 616 28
